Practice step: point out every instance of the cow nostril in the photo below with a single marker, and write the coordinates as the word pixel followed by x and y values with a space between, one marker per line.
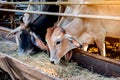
pixel 52 62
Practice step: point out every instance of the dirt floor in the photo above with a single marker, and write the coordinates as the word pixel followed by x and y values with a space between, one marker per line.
pixel 64 71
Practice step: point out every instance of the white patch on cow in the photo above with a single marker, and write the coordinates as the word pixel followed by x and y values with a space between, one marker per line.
pixel 17 38
pixel 33 34
pixel 104 52
pixel 60 36
pixel 17 41
pixel 85 48
pixel 53 57
pixel 56 38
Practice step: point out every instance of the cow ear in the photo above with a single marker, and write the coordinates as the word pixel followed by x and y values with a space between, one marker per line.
pixel 68 56
pixel 73 41
pixel 37 41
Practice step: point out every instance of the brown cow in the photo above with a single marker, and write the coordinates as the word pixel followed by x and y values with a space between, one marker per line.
pixel 83 31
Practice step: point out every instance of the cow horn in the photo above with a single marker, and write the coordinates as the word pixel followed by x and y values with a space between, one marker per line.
pixel 68 55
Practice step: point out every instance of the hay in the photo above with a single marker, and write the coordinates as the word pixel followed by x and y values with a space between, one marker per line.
pixel 65 70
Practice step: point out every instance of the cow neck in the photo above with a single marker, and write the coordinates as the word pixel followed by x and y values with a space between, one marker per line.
pixel 45 9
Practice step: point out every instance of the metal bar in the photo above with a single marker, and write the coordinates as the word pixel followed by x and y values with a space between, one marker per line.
pixel 66 14
pixel 5 29
pixel 69 3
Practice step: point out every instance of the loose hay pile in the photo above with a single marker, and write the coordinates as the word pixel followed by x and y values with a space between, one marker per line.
pixel 65 70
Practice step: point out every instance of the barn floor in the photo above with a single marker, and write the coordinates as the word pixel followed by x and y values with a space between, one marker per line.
pixel 65 70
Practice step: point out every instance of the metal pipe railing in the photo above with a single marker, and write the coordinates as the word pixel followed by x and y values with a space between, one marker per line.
pixel 69 3
pixel 66 14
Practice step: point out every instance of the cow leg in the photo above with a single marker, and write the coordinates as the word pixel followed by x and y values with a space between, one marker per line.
pixel 85 46
pixel 101 46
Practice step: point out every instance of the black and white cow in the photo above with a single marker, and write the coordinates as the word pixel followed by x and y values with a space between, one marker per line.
pixel 30 35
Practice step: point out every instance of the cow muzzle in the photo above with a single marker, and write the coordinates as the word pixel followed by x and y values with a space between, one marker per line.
pixel 55 61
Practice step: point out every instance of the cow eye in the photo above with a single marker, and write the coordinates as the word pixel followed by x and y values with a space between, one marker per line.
pixel 58 42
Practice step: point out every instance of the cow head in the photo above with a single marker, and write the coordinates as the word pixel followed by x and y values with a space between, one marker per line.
pixel 60 44
pixel 27 41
